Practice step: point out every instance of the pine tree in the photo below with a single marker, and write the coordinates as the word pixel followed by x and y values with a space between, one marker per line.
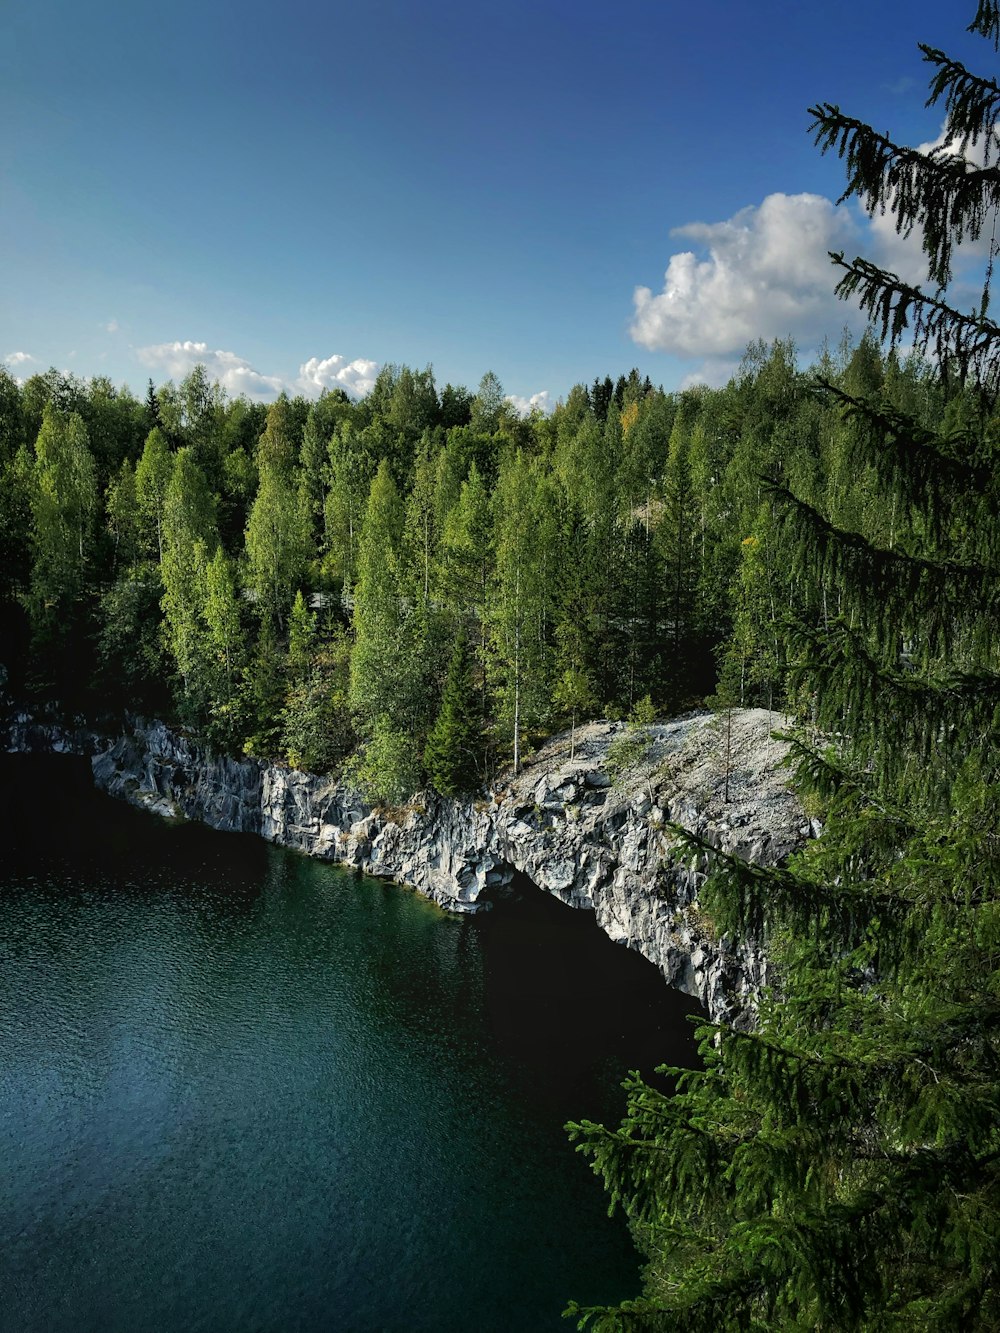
pixel 839 1166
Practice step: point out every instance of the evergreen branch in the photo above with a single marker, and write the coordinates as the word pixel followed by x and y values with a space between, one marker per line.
pixel 956 457
pixel 899 595
pixel 948 714
pixel 940 1042
pixel 968 340
pixel 942 192
pixel 972 103
pixel 987 22
pixel 752 898
pixel 829 777
pixel 944 478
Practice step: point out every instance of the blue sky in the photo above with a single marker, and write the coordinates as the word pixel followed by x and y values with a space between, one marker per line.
pixel 297 194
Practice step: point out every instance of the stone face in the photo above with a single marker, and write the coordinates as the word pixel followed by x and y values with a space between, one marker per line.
pixel 596 844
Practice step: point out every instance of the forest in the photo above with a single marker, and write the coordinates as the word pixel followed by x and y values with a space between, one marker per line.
pixel 414 589
pixel 422 584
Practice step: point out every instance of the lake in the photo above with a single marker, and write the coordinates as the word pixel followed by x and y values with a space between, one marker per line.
pixel 243 1090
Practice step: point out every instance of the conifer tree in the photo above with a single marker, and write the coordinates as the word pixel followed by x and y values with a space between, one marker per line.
pixel 839 1166
pixel 450 752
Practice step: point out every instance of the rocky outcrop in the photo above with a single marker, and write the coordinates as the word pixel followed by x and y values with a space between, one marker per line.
pixel 598 844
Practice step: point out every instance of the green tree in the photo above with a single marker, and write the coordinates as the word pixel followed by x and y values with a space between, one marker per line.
pixel 190 539
pixel 351 469
pixel 122 511
pixel 276 447
pixel 152 477
pixel 839 1166
pixel 489 405
pixel 277 540
pixel 573 696
pixel 64 511
pixel 451 751
pixel 316 731
pixel 224 645
pixel 520 604
pixel 378 609
pixel 301 637
pixel 387 768
pixel 313 463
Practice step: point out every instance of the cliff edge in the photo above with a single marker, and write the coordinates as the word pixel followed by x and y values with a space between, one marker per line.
pixel 596 841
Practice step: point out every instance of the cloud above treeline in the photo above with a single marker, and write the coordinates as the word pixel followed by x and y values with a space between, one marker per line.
pixel 538 402
pixel 335 372
pixel 766 273
pixel 763 273
pixel 233 372
pixel 175 360
pixel 237 376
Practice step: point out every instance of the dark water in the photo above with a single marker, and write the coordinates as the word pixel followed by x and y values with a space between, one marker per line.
pixel 240 1090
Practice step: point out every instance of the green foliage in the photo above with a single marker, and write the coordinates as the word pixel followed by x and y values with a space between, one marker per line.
pixel 316 731
pixel 387 770
pixel 130 647
pixel 301 636
pixel 520 606
pixel 837 1166
pixel 189 541
pixel 64 499
pixel 379 612
pixel 277 535
pixel 573 695
pixel 451 751
pixel 632 745
pixel 152 477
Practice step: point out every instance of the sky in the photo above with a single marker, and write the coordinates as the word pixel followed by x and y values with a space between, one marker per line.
pixel 296 194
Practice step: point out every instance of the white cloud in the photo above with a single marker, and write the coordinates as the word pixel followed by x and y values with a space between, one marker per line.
pixel 763 273
pixel 16 361
pixel 112 326
pixel 235 374
pixel 538 402
pixel 335 372
pixel 766 273
pixel 238 376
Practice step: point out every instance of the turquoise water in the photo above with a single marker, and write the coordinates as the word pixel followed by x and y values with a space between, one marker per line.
pixel 241 1090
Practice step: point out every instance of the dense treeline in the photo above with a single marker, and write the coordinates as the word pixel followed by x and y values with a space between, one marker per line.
pixel 422 583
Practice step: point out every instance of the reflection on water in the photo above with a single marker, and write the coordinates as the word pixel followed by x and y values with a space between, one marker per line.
pixel 240 1090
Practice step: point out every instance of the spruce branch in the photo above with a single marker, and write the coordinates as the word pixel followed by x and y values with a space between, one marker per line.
pixel 941 192
pixel 972 103
pixel 967 343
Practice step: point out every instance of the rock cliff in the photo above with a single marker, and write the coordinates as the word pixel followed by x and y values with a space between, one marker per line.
pixel 595 843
